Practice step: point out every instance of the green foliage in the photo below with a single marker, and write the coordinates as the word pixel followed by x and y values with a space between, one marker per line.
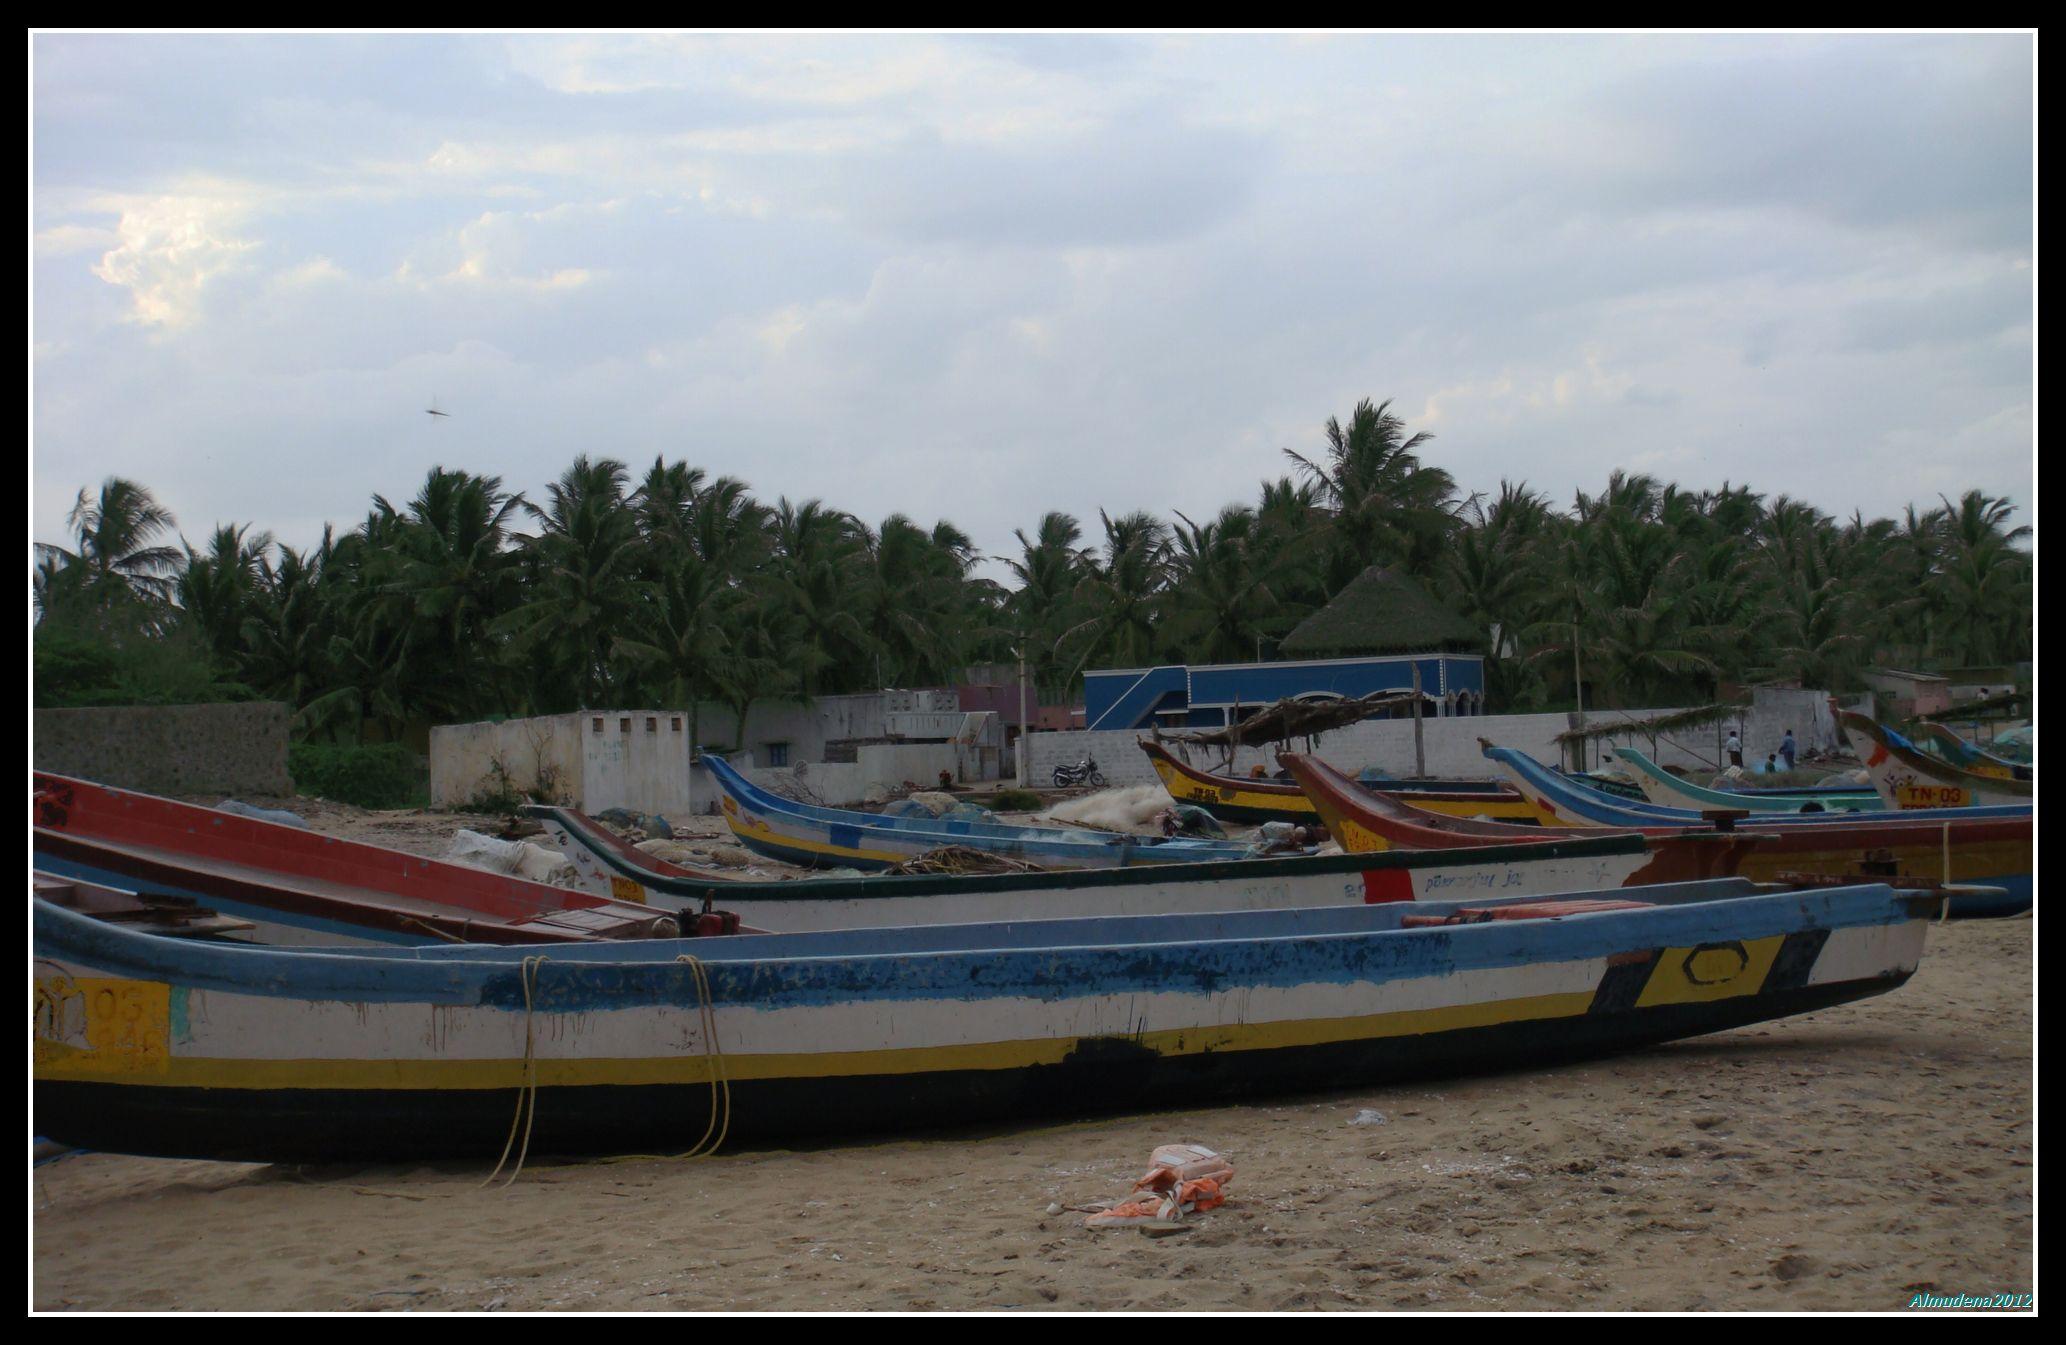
pixel 76 667
pixel 379 775
pixel 672 588
pixel 1014 801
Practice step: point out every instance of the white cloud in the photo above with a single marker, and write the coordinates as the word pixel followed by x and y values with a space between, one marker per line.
pixel 170 249
pixel 984 277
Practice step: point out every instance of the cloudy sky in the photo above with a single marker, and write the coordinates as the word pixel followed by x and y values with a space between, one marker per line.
pixel 983 277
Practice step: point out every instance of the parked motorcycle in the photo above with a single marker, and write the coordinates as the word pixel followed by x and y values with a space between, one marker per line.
pixel 1084 772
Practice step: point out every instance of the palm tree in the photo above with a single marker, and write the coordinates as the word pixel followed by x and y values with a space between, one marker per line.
pixel 1051 564
pixel 117 562
pixel 1121 592
pixel 1493 574
pixel 218 587
pixel 1387 507
pixel 1221 594
pixel 1985 580
pixel 583 589
pixel 816 556
pixel 458 573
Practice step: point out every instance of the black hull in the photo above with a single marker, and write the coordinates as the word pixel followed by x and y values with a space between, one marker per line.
pixel 316 1126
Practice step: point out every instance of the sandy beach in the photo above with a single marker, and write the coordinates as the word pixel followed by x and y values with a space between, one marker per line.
pixel 1846 1160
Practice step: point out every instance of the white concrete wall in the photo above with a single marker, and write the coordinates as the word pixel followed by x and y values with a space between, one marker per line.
pixel 1451 747
pixel 634 759
pixel 463 758
pixel 1774 710
pixel 806 728
pixel 648 769
pixel 640 759
pixel 879 769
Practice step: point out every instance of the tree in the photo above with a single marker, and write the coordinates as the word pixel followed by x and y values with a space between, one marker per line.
pixel 582 586
pixel 1387 507
pixel 117 571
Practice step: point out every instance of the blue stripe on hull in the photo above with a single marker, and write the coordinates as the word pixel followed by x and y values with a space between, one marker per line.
pixel 1151 954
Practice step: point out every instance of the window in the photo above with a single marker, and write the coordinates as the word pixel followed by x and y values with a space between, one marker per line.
pixel 675 723
pixel 596 724
pixel 778 754
pixel 652 724
pixel 624 724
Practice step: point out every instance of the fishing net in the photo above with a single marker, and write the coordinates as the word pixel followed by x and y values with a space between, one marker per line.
pixel 963 859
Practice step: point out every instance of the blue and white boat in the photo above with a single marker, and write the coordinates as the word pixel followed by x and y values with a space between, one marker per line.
pixel 1563 803
pixel 1666 790
pixel 144 1044
pixel 820 837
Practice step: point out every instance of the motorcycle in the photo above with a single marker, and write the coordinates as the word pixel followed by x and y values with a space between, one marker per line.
pixel 1084 772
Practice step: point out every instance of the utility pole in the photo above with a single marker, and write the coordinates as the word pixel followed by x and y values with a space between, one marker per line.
pixel 1023 726
pixel 1420 757
pixel 1578 690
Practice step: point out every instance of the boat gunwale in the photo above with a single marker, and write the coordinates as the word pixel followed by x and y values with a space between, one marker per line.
pixel 1522 767
pixel 1004 838
pixel 487 975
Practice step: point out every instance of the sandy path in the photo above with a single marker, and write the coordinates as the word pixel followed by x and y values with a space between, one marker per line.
pixel 1843 1160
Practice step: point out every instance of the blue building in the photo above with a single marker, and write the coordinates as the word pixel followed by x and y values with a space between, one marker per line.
pixel 1369 637
pixel 1217 694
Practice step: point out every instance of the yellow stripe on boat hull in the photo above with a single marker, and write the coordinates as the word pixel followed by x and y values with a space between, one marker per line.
pixel 56 1062
pixel 1186 789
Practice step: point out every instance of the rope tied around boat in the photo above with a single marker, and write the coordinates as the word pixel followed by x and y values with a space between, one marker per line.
pixel 714 1130
pixel 527 1092
pixel 720 1123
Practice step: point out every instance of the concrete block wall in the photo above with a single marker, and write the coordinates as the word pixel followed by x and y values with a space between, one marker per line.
pixel 238 748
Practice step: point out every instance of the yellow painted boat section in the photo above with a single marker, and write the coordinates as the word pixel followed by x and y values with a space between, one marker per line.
pixel 1185 789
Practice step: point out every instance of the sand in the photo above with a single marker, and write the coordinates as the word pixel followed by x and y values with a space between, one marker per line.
pixel 1849 1159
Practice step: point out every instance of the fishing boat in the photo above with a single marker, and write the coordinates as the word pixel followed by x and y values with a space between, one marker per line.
pixel 1663 788
pixel 153 912
pixel 2018 746
pixel 1561 803
pixel 1946 746
pixel 1991 857
pixel 297 887
pixel 1251 802
pixel 203 1050
pixel 1907 778
pixel 1558 862
pixel 819 837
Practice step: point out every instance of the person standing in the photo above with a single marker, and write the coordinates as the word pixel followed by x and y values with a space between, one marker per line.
pixel 1734 747
pixel 1786 749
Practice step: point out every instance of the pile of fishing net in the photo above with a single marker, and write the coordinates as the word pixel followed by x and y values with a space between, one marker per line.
pixel 963 859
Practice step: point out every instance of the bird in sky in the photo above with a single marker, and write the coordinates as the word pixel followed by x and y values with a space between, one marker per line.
pixel 432 410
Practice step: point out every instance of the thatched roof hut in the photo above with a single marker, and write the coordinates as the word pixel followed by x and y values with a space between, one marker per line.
pixel 1382 611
